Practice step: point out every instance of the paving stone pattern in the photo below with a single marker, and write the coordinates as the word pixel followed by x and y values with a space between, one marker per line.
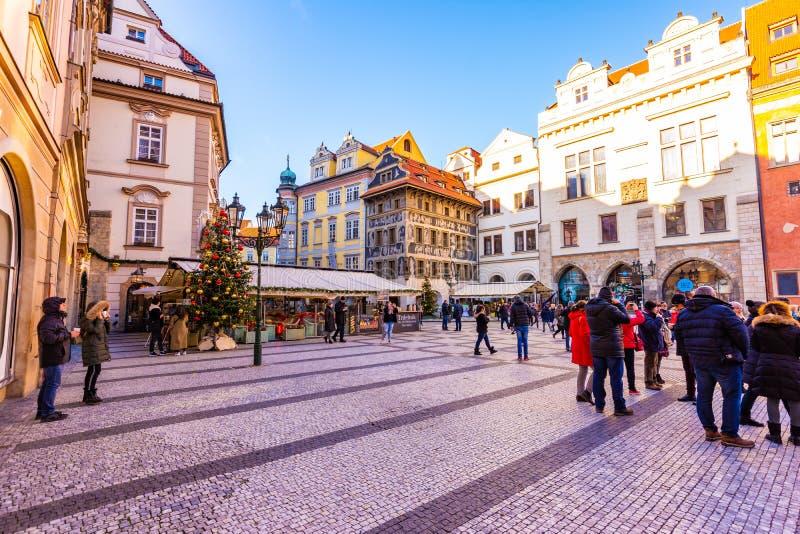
pixel 416 436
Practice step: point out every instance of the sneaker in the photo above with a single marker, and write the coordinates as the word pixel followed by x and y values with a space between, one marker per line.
pixel 526 358
pixel 519 358
pixel 687 398
pixel 730 441
pixel 55 416
pixel 713 435
pixel 633 392
pixel 626 411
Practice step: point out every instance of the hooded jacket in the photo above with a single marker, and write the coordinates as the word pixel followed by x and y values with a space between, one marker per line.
pixel 520 314
pixel 579 332
pixel 605 326
pixel 650 332
pixel 772 367
pixel 708 330
pixel 54 338
pixel 94 332
pixel 628 337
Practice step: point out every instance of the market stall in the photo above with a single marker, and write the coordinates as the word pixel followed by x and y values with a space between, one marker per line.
pixel 497 292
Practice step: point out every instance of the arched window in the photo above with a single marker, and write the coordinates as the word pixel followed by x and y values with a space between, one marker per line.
pixel 407 145
pixel 9 263
pixel 573 286
pixel 526 277
pixel 496 279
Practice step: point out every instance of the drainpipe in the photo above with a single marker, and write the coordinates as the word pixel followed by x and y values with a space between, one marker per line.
pixel 48 273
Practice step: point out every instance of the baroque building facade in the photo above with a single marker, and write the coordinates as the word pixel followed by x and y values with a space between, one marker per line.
pixel 421 222
pixel 654 162
pixel 47 55
pixel 774 42
pixel 155 157
pixel 505 179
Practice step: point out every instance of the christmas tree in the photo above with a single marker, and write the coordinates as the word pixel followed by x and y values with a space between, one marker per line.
pixel 428 297
pixel 218 287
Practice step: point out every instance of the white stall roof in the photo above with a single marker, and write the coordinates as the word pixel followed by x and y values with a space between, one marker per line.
pixel 281 280
pixel 497 289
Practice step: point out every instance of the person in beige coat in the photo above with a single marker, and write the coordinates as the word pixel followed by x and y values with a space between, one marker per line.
pixel 95 327
pixel 179 331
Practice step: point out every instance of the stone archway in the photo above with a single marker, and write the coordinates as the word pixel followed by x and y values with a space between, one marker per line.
pixel 619 278
pixel 700 272
pixel 573 284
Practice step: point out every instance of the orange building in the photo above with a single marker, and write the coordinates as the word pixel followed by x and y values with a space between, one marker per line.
pixel 774 41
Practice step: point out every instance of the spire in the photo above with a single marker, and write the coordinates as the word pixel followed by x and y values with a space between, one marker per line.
pixel 288 177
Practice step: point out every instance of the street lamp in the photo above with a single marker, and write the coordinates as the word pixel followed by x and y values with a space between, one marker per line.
pixel 638 272
pixel 138 274
pixel 270 223
pixel 451 277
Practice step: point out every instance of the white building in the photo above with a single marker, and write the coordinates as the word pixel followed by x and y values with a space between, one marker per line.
pixel 505 178
pixel 654 162
pixel 157 148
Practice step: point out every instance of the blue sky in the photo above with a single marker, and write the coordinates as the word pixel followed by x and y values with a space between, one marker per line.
pixel 293 73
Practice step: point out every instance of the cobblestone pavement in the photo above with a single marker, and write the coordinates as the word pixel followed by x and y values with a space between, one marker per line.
pixel 419 435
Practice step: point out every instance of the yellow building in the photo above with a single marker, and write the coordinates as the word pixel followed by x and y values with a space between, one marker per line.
pixel 250 254
pixel 774 42
pixel 46 65
pixel 330 213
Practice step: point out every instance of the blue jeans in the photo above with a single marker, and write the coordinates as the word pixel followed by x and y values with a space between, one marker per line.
pixel 729 378
pixel 482 336
pixel 522 340
pixel 46 403
pixel 445 319
pixel 567 338
pixel 504 322
pixel 387 330
pixel 458 322
pixel 612 366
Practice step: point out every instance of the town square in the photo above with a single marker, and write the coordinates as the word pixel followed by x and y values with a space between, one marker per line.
pixel 249 282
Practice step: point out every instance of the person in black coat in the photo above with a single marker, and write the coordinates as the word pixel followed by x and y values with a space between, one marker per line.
pixel 482 327
pixel 749 397
pixel 155 319
pixel 330 322
pixel 389 320
pixel 772 368
pixel 605 316
pixel 502 313
pixel 653 341
pixel 340 316
pixel 717 343
pixel 54 352
pixel 458 311
pixel 520 320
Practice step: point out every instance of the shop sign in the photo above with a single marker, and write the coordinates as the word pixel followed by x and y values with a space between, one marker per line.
pixel 407 321
pixel 685 284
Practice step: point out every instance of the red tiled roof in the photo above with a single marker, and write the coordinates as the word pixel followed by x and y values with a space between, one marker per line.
pixel 187 56
pixel 414 169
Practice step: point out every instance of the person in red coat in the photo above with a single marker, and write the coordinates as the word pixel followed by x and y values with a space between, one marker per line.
pixel 581 356
pixel 629 344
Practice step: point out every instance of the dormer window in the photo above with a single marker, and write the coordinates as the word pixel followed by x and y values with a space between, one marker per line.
pixel 154 83
pixel 682 56
pixel 783 29
pixel 385 176
pixel 347 162
pixel 136 34
pixel 581 94
pixel 407 145
pixel 319 171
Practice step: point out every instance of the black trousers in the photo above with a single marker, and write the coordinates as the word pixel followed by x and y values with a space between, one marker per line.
pixel 688 371
pixel 92 372
pixel 155 336
pixel 339 330
pixel 630 370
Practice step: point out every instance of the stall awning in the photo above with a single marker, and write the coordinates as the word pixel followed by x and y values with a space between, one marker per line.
pixel 498 289
pixel 280 280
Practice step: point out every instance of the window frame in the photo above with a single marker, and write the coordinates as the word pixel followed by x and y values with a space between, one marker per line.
pixel 332 231
pixel 154 76
pixel 162 156
pixel 777 284
pixel 310 204
pixel 613 227
pixel 352 228
pixel 705 143
pixel 574 240
pixel 703 201
pixel 682 55
pixel 582 170
pixel 352 193
pixel 581 94
pixel 784 135
pixel 334 197
pixel 782 25
pixel 304 235
pixel 157 208
pixel 136 31
pixel 677 224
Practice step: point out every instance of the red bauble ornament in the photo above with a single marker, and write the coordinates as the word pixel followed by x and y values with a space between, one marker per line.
pixel 223 214
pixel 205 232
pixel 238 275
pixel 227 249
pixel 240 247
pixel 217 224
pixel 194 303
pixel 196 317
pixel 225 231
pixel 215 257
pixel 208 246
pixel 219 281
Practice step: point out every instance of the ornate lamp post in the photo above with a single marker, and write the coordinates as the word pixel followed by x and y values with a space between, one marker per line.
pixel 638 271
pixel 271 222
pixel 451 277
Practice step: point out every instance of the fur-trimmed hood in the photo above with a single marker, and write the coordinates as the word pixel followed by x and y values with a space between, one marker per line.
pixel 94 309
pixel 773 319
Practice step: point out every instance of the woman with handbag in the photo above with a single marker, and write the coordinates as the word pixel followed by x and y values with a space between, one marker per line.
pixel 631 343
pixel 94 326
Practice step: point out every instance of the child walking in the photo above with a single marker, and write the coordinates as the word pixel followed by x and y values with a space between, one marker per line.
pixel 482 327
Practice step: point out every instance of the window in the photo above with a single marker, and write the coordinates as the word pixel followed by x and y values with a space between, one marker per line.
pixel 304 262
pixel 608 227
pixel 495 165
pixel 685 153
pixel 445 239
pixel 524 199
pixel 347 162
pixel 420 268
pixel 498 243
pixel 714 215
pixel 351 263
pixel 782 29
pixel 149 142
pixel 491 207
pixel 318 262
pixel 793 188
pixel 351 229
pixel 334 197
pixel 319 171
pixel 427 206
pixel 385 176
pixel 785 65
pixel 352 193
pixel 379 238
pixel 265 256
pixel 136 34
pixel 530 239
pixel 292 206
pixel 458 214
pixel 517 159
pixel 304 236
pixel 519 241
pixel 529 198
pixel 570 229
pixel 155 83
pixel 787 284
pixel 446 211
pixel 579 169
pixel 466 176
pixel 290 239
pixel 682 56
pixel 145 226
pixel 434 237
pixel 309 204
pixel 419 235
pixel 250 256
pixel 434 269
pixel 487 245
pixel 332 232
pixel 784 142
pixel 517 201
pixel 407 145
pixel 675 219
pixel 581 94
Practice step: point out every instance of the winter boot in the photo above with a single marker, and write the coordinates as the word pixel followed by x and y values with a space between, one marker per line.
pixel 477 352
pixel 492 350
pixel 774 433
pixel 96 399
pixel 794 437
pixel 88 397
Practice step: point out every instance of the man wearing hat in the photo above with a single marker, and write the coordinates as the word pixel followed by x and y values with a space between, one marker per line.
pixel 54 352
pixel 605 316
